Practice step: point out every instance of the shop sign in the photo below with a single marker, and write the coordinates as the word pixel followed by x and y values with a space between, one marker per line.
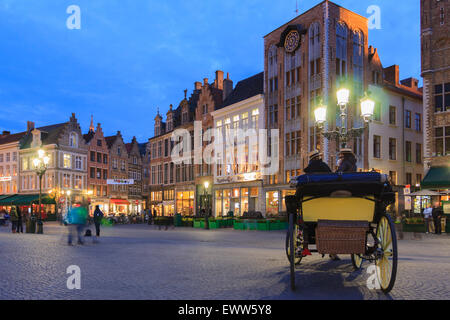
pixel 3 179
pixel 120 181
pixel 251 176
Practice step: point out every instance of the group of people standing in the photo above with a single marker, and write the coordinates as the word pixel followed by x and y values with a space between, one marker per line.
pixel 76 219
pixel 435 214
pixel 16 218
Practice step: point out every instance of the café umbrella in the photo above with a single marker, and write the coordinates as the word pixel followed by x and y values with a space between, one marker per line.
pixel 423 193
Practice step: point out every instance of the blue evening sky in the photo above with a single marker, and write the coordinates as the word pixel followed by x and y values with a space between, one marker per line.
pixel 132 56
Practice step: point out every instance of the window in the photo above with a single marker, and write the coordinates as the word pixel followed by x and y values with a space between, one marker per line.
pixel 99 142
pixel 273 115
pixel 442 141
pixel 105 159
pixel 407 119
pixel 418 153
pixel 418 178
pixel 92 173
pixel 408 178
pixel 341 50
pixel 166 148
pixel 408 151
pixel 418 122
pixel 245 121
pixel 92 156
pixel 442 97
pixel 393 177
pixel 122 165
pixel 392 149
pixel 105 174
pixel 8 157
pixel 78 163
pixel 67 161
pixel 255 118
pixel 99 173
pixel 358 60
pixel 73 140
pixel 377 112
pixel 376 146
pixel 392 115
pixel 99 157
pixel 119 151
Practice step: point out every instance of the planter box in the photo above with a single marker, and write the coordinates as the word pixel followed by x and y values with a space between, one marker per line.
pixel 252 225
pixel 197 224
pixel 263 226
pixel 214 224
pixel 239 225
pixel 413 228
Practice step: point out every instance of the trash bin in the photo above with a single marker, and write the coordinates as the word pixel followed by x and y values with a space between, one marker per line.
pixel 31 225
pixel 178 222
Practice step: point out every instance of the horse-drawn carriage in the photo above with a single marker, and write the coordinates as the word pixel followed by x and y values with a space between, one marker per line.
pixel 343 213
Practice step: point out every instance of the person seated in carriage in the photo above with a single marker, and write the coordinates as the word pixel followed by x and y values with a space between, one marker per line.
pixel 316 164
pixel 347 161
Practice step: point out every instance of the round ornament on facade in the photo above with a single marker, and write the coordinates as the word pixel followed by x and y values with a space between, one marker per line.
pixel 292 41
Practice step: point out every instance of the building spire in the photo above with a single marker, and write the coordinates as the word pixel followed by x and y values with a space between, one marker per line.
pixel 91 127
pixel 296 7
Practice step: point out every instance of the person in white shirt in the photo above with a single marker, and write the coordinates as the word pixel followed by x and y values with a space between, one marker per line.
pixel 427 213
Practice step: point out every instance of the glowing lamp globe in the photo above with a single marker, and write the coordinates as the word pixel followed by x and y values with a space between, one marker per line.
pixel 320 114
pixel 367 108
pixel 343 96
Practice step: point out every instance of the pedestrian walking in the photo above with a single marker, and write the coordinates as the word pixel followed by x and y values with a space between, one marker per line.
pixel 19 221
pixel 76 219
pixel 427 215
pixel 14 218
pixel 98 216
pixel 2 217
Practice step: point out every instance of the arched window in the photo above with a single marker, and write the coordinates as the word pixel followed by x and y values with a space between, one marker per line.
pixel 358 58
pixel 341 50
pixel 73 140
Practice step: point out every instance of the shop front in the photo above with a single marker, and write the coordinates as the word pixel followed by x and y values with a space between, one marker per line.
pixel 29 204
pixel 103 204
pixel 274 200
pixel 185 202
pixel 136 206
pixel 118 206
pixel 237 198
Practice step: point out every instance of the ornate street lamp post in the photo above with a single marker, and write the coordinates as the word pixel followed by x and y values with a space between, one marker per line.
pixel 206 204
pixel 342 134
pixel 40 167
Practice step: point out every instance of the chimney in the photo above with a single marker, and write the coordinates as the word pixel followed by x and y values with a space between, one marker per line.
pixel 413 83
pixel 72 118
pixel 227 86
pixel 198 85
pixel 219 79
pixel 30 125
pixel 205 81
pixel 391 74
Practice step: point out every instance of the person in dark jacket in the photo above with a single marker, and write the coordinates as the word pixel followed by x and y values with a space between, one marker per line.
pixel 347 161
pixel 14 218
pixel 19 221
pixel 316 164
pixel 437 217
pixel 98 216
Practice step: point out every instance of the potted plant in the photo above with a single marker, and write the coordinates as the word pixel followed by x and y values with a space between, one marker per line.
pixel 238 224
pixel 263 225
pixel 414 224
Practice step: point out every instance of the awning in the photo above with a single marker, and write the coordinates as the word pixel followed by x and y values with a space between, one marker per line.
pixel 437 178
pixel 26 200
pixel 119 201
pixel 5 200
pixel 423 193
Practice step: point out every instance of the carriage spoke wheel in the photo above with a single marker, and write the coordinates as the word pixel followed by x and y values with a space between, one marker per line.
pixel 386 261
pixel 292 236
pixel 357 261
pixel 297 245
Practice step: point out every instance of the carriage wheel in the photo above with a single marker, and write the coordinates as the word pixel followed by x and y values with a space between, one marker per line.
pixel 357 261
pixel 297 243
pixel 291 248
pixel 386 261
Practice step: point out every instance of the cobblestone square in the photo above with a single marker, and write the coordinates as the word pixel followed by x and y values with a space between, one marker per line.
pixel 140 262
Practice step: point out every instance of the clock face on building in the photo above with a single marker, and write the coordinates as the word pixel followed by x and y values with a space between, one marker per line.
pixel 292 41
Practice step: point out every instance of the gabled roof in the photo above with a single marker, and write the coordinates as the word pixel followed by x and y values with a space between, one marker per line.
pixel 16 137
pixel 142 148
pixel 49 135
pixel 88 136
pixel 110 140
pixel 128 146
pixel 245 89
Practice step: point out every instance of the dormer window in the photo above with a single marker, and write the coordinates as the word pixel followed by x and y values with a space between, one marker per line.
pixel 73 140
pixel 157 129
pixel 205 109
pixel 185 117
